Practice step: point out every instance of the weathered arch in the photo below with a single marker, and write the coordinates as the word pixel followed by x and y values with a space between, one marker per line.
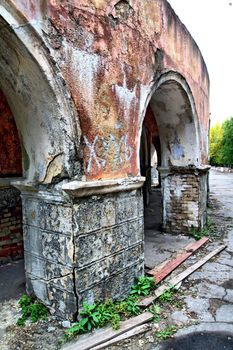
pixel 173 106
pixel 41 106
pixel 183 185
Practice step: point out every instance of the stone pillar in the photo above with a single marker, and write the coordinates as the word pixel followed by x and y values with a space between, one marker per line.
pixel 49 249
pixel 108 237
pixel 84 246
pixel 184 192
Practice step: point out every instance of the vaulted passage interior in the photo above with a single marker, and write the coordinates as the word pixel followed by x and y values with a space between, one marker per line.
pixel 173 202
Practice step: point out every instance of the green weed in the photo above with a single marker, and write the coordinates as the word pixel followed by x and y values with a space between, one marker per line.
pixel 205 232
pixel 128 307
pixel 31 309
pixel 156 311
pixel 109 314
pixel 167 296
pixel 100 314
pixel 166 333
pixel 143 286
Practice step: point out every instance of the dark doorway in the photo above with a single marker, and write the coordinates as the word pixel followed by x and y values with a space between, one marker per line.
pixel 169 129
pixel 11 232
pixel 150 160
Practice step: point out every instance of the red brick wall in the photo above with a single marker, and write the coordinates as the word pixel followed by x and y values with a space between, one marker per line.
pixel 10 150
pixel 11 235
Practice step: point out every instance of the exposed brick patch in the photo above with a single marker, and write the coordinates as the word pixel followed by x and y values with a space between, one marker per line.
pixel 11 232
pixel 184 201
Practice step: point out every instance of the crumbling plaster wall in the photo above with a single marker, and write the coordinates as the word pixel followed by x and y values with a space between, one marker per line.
pixel 79 77
pixel 107 54
pixel 10 156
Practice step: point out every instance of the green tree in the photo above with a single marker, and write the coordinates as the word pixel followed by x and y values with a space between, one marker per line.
pixel 227 142
pixel 215 147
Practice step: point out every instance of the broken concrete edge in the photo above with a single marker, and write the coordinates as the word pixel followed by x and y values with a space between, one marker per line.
pixel 7 181
pixel 103 335
pixel 32 189
pixel 184 170
pixel 24 185
pixel 90 188
pixel 205 328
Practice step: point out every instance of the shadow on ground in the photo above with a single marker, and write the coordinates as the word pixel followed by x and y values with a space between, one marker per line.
pixel 201 341
pixel 12 280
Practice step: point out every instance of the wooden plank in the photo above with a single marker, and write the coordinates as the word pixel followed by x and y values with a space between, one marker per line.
pixel 189 249
pixel 158 267
pixel 164 269
pixel 135 331
pixel 176 279
pixel 88 342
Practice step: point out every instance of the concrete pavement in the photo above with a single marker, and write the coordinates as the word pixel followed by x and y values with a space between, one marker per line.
pixel 12 280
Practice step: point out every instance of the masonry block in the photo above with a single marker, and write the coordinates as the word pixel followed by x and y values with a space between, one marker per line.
pixel 74 254
pixel 52 246
pixel 184 199
pixel 94 213
pixel 11 233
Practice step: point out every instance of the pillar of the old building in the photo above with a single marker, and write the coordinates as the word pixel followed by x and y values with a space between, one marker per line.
pixel 49 249
pixel 84 246
pixel 108 237
pixel 184 198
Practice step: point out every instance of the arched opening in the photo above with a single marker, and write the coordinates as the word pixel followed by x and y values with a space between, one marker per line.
pixel 35 92
pixel 176 124
pixel 150 161
pixel 11 230
pixel 169 130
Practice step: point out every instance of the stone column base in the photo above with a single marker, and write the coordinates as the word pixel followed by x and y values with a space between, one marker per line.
pixel 184 192
pixel 86 246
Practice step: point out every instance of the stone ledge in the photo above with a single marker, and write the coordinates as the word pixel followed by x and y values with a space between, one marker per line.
pixel 7 181
pixel 24 185
pixel 185 170
pixel 91 188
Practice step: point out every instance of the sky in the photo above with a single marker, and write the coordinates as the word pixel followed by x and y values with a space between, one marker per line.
pixel 210 23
